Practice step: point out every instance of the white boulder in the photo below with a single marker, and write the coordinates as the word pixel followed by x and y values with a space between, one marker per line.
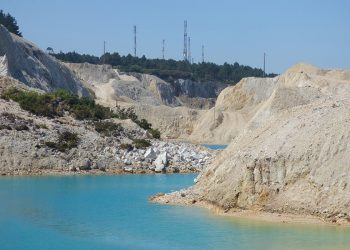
pixel 150 154
pixel 161 162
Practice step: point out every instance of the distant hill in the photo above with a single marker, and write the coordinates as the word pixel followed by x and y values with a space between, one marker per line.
pixel 169 70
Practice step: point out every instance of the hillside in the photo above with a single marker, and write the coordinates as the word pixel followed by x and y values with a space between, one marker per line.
pixel 46 128
pixel 111 85
pixel 24 61
pixel 293 154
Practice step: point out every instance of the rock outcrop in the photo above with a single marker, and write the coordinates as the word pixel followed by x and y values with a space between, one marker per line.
pixel 22 60
pixel 111 86
pixel 292 155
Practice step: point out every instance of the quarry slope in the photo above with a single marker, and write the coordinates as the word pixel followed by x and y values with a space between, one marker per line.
pixel 173 108
pixel 293 154
pixel 25 62
pixel 111 86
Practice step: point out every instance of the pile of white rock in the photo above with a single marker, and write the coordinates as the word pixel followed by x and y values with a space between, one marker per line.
pixel 166 157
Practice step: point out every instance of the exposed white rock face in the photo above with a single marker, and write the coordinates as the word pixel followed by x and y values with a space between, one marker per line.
pixel 293 154
pixel 150 154
pixel 27 63
pixel 3 66
pixel 111 85
pixel 161 162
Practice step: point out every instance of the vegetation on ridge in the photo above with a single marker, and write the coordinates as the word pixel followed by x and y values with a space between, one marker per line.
pixel 169 69
pixel 55 104
pixel 108 128
pixel 10 23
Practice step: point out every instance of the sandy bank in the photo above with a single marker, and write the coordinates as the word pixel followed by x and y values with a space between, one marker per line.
pixel 248 214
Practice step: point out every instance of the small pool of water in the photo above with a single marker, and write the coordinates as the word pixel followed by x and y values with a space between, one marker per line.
pixel 215 146
pixel 113 212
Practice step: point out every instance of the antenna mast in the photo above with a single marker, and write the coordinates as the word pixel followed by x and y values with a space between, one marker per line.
pixel 104 51
pixel 189 49
pixel 185 41
pixel 134 40
pixel 264 74
pixel 202 53
pixel 163 49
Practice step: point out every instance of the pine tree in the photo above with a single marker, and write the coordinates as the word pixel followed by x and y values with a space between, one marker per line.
pixel 10 23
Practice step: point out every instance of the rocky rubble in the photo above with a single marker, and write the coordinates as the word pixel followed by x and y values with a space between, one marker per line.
pixel 166 157
pixel 27 147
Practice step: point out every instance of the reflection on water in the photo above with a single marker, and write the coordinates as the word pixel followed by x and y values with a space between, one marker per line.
pixel 112 212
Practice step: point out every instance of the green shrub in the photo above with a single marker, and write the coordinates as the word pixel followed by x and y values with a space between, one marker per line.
pixel 31 101
pixel 108 128
pixel 125 113
pixel 20 127
pixel 66 140
pixel 51 144
pixel 11 117
pixel 129 113
pixel 53 104
pixel 38 126
pixel 126 146
pixel 144 124
pixel 141 143
pixel 155 133
pixel 3 126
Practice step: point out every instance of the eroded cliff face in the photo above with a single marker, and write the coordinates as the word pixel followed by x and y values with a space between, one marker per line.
pixel 293 154
pixel 290 164
pixel 234 108
pixel 22 60
pixel 174 108
pixel 112 85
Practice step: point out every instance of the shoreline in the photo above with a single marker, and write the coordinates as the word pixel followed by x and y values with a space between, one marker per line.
pixel 165 199
pixel 92 172
pixel 248 214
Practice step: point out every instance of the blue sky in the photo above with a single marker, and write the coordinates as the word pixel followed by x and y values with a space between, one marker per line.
pixel 289 31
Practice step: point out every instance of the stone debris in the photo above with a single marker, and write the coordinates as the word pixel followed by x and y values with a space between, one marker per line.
pixel 24 142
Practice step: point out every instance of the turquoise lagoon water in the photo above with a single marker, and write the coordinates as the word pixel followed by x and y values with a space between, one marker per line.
pixel 112 212
pixel 215 146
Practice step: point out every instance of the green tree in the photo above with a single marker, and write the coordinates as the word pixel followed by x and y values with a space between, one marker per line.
pixel 169 70
pixel 9 22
